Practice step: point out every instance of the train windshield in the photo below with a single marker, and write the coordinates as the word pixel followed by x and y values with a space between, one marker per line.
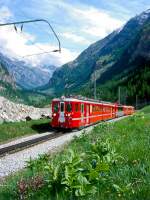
pixel 62 107
pixel 56 108
pixel 68 107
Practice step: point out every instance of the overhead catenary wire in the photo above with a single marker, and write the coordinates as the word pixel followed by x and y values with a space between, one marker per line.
pixel 37 46
pixel 32 21
pixel 22 14
pixel 40 53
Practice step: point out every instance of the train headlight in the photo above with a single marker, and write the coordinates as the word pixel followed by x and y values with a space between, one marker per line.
pixel 54 114
pixel 68 115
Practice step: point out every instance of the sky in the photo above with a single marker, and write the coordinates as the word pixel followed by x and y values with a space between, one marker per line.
pixel 78 23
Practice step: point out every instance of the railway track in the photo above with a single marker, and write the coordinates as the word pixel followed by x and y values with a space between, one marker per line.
pixel 16 158
pixel 28 143
pixel 11 148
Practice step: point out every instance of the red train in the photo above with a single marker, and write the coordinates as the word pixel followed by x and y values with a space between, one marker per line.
pixel 75 112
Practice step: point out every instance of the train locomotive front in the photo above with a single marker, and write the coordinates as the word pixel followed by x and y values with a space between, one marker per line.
pixel 67 113
pixel 61 113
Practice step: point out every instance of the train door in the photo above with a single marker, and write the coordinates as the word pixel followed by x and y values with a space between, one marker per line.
pixel 111 110
pixel 87 113
pixel 62 114
pixel 82 114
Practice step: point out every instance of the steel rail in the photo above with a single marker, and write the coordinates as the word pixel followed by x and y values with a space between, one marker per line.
pixel 28 143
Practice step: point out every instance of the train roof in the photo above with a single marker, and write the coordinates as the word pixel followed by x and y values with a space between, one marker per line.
pixel 128 106
pixel 85 100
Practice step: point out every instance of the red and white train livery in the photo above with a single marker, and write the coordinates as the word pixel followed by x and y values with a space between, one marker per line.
pixel 70 113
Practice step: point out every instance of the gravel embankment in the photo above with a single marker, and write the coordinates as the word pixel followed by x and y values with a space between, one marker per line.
pixel 16 161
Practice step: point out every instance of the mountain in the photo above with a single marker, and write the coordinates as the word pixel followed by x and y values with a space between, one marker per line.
pixel 8 87
pixel 27 77
pixel 5 79
pixel 10 90
pixel 114 59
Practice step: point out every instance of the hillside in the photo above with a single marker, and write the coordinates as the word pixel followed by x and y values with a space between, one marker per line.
pixel 7 83
pixel 120 59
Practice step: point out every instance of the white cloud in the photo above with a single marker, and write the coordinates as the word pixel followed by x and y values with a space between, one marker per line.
pixel 85 20
pixel 98 23
pixel 56 59
pixel 95 31
pixel 93 21
pixel 75 38
pixel 4 14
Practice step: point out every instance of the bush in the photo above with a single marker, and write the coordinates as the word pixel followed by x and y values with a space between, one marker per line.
pixel 75 175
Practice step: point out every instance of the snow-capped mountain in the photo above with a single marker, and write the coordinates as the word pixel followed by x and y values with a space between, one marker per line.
pixel 26 76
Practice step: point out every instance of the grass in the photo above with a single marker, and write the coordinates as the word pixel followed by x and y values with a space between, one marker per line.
pixel 122 147
pixel 146 109
pixel 13 130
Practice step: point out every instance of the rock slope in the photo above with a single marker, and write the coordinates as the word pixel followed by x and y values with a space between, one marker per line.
pixel 12 112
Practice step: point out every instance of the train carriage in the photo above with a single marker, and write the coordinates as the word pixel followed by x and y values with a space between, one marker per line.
pixel 72 112
pixel 128 110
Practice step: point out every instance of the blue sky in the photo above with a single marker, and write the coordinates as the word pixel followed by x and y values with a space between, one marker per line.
pixel 78 24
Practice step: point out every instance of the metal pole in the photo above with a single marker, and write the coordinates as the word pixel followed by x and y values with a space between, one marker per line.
pixel 126 97
pixel 94 85
pixel 136 102
pixel 119 95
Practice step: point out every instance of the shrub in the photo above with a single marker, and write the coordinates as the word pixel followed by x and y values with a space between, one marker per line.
pixel 75 174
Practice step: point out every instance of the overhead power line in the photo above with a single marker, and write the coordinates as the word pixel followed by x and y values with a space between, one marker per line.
pixel 46 52
pixel 32 21
pixel 25 17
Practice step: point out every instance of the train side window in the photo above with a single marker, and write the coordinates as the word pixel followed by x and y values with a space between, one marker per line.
pixel 82 108
pixel 56 107
pixel 120 109
pixel 93 108
pixel 76 107
pixel 69 107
